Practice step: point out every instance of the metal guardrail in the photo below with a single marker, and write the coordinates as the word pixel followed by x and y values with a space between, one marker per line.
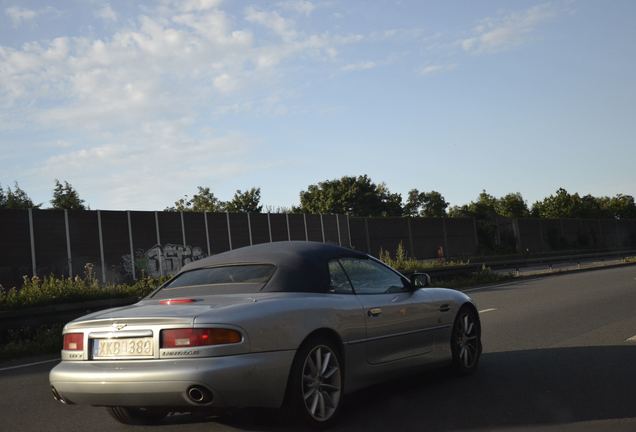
pixel 494 263
pixel 61 313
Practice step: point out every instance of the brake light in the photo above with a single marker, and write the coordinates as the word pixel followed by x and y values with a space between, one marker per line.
pixel 74 341
pixel 190 337
pixel 177 301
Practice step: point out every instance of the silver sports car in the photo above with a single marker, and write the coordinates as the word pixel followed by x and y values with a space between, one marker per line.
pixel 293 324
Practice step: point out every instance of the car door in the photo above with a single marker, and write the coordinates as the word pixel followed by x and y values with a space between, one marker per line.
pixel 398 323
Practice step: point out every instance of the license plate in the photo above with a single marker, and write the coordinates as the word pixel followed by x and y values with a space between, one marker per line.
pixel 125 347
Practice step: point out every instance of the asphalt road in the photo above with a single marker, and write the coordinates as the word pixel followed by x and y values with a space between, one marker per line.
pixel 557 357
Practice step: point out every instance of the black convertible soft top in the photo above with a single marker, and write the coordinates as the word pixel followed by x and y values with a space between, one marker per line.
pixel 301 265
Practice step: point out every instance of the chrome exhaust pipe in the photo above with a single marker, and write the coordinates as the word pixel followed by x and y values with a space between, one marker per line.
pixel 59 398
pixel 199 395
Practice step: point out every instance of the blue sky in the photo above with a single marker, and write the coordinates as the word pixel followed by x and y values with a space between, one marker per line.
pixel 137 103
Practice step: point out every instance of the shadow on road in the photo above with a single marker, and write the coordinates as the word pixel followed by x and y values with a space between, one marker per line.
pixel 534 387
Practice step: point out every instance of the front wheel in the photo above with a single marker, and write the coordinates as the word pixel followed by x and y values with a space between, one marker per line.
pixel 316 382
pixel 466 341
pixel 137 416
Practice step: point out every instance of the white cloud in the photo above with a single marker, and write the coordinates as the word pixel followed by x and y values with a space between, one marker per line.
pixel 225 83
pixel 303 7
pixel 19 15
pixel 151 167
pixel 359 66
pixel 432 69
pixel 197 5
pixel 272 21
pixel 124 111
pixel 507 31
pixel 106 13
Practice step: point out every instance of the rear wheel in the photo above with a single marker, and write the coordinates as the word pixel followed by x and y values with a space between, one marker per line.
pixel 466 341
pixel 138 416
pixel 316 382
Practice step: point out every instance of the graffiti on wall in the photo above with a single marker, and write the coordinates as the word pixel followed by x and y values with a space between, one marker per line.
pixel 167 259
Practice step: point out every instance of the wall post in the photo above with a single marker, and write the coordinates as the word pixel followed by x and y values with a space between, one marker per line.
pixel 322 228
pixel 159 244
pixel 132 250
pixel 68 245
pixel 32 238
pixel 249 227
pixel 183 230
pixel 207 232
pixel 101 245
pixel 229 230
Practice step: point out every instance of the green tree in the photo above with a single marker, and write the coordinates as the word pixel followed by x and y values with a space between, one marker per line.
pixel 16 198
pixel 202 201
pixel 590 207
pixel 427 204
pixel 485 212
pixel 566 205
pixel 561 204
pixel 512 205
pixel 433 205
pixel 356 196
pixel 620 206
pixel 413 203
pixel 485 207
pixel 245 202
pixel 66 197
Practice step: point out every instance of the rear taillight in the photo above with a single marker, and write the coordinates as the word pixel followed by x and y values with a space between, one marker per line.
pixel 74 341
pixel 190 337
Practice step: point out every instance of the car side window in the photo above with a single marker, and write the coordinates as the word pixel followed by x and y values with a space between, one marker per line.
pixel 370 277
pixel 339 282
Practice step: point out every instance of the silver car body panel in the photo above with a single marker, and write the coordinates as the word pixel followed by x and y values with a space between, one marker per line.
pixel 412 330
pixel 243 380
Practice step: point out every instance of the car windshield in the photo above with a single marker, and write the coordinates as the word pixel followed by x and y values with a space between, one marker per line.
pixel 218 280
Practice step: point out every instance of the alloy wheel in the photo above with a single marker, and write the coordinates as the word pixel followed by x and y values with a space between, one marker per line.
pixel 321 383
pixel 466 340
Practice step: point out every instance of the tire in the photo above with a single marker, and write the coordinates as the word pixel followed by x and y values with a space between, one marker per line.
pixel 138 416
pixel 466 341
pixel 316 383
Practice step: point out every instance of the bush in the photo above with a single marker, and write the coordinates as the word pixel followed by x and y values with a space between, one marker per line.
pixel 30 341
pixel 405 264
pixel 37 291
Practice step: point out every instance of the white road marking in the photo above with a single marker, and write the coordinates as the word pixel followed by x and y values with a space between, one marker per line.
pixel 631 339
pixel 488 286
pixel 29 364
pixel 487 310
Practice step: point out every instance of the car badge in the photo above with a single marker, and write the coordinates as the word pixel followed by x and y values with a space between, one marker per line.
pixel 119 326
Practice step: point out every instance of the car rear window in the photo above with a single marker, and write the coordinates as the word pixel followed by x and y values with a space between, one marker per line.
pixel 225 279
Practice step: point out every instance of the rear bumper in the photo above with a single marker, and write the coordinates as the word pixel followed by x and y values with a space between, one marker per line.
pixel 247 380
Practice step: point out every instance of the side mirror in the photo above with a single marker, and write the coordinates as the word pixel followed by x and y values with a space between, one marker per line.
pixel 420 280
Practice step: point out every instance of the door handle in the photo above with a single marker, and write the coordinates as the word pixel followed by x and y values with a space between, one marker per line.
pixel 374 312
pixel 444 308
